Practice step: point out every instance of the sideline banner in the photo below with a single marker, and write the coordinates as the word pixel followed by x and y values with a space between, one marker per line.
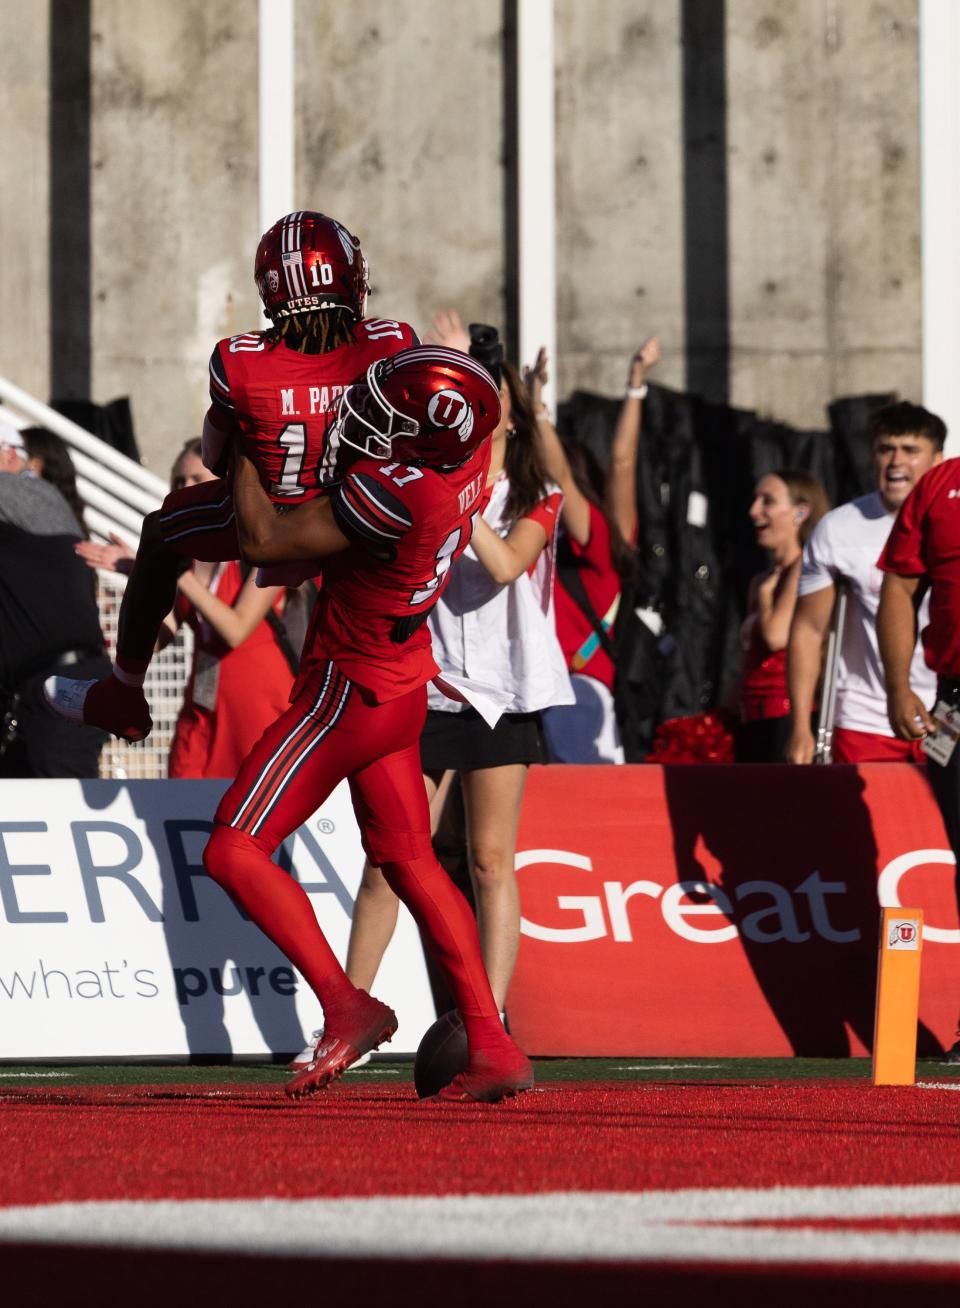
pixel 115 943
pixel 725 910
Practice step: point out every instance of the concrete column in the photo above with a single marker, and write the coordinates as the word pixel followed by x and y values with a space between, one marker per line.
pixel 24 198
pixel 824 203
pixel 276 149
pixel 400 135
pixel 174 204
pixel 536 187
pixel 620 273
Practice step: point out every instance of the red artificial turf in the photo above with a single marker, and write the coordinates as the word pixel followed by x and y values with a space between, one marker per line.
pixel 208 1142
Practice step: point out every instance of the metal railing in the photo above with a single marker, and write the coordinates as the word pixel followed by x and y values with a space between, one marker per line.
pixel 116 490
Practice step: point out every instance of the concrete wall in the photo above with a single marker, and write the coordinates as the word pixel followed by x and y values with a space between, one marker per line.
pixel 174 204
pixel 619 190
pixel 24 317
pixel 824 202
pixel 400 132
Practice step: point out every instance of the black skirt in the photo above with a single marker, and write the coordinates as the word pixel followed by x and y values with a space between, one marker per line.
pixel 464 742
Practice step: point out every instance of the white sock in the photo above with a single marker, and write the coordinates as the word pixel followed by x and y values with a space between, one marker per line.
pixel 128 678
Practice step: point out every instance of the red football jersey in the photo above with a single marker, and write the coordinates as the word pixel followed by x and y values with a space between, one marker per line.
pixel 407 526
pixel 286 402
pixel 925 542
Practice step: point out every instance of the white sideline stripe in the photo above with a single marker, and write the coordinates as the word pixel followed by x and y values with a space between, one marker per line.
pixel 669 1225
pixel 667 1067
pixel 32 1076
pixel 938 1085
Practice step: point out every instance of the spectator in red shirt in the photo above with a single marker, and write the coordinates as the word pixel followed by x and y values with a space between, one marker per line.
pixel 240 681
pixel 598 533
pixel 923 553
pixel 786 507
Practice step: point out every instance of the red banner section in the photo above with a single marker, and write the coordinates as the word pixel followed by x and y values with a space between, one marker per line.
pixel 725 910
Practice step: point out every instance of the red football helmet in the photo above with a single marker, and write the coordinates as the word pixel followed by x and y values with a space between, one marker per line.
pixel 308 261
pixel 426 404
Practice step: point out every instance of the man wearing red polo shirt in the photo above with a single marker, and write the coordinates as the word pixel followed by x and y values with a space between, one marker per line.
pixel 923 554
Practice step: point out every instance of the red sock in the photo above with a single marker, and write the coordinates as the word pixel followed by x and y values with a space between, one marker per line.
pixel 444 916
pixel 281 909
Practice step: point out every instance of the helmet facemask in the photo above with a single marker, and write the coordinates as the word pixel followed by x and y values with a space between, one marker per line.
pixel 368 422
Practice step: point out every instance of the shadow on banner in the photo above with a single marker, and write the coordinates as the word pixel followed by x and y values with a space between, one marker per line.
pixel 215 952
pixel 725 910
pixel 757 836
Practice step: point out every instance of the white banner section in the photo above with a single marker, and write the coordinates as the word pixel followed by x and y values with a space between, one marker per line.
pixel 115 943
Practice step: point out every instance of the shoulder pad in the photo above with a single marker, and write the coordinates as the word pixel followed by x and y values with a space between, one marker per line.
pixel 247 343
pixel 386 329
pixel 367 509
pixel 219 381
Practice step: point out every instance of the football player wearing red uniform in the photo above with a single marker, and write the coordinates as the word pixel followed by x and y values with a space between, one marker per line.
pixel 279 389
pixel 387 533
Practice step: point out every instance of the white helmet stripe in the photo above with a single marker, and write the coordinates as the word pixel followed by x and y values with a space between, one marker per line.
pixel 292 255
pixel 437 354
pixel 291 233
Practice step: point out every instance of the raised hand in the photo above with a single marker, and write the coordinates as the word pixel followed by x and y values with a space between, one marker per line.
pixel 646 357
pixel 536 378
pixel 449 331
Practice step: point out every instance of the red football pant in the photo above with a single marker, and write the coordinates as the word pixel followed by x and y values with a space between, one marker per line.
pixel 328 733
pixel 848 746
pixel 196 522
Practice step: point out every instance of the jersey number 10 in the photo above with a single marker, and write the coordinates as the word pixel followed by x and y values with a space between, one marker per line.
pixel 293 439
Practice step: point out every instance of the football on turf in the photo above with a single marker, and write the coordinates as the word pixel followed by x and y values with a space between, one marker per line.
pixel 441 1055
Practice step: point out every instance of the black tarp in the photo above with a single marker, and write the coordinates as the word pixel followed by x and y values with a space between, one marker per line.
pixel 697 466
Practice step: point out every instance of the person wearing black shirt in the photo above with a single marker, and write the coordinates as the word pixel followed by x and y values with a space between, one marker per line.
pixel 48 622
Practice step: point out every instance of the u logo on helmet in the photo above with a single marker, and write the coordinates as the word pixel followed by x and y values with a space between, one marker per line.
pixel 449 409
